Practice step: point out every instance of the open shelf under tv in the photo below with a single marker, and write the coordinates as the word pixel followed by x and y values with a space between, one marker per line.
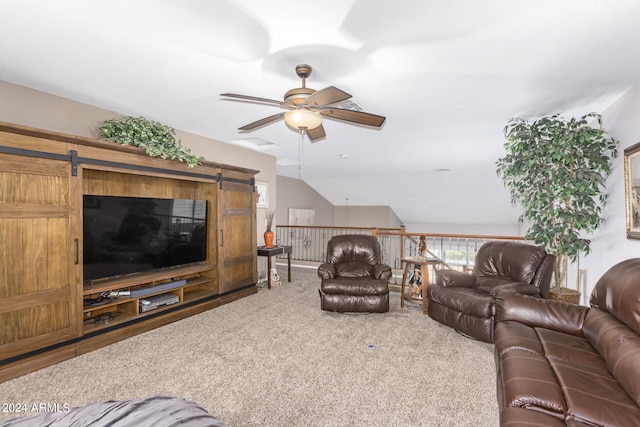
pixel 196 281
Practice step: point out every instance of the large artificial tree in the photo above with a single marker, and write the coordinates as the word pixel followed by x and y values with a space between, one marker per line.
pixel 556 169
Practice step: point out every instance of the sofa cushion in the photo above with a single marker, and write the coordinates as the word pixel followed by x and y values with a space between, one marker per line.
pixel 528 381
pixel 354 303
pixel 354 269
pixel 353 248
pixel 570 349
pixel 471 301
pixel 513 260
pixel 448 277
pixel 560 373
pixel 516 336
pixel 619 346
pixel 476 327
pixel 594 397
pixel 467 310
pixel 355 286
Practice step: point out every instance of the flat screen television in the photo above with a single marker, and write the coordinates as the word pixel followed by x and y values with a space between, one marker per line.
pixel 125 235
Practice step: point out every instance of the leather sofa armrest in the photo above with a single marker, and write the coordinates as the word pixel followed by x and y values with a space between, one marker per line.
pixel 519 287
pixel 449 277
pixel 382 271
pixel 326 270
pixel 538 312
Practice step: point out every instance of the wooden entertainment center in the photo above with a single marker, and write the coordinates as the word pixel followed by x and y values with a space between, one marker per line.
pixel 45 317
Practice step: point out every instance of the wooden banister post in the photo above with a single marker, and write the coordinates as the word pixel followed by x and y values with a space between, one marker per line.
pixel 403 230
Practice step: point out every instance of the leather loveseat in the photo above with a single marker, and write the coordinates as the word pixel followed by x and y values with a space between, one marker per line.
pixel 463 301
pixel 559 364
pixel 354 278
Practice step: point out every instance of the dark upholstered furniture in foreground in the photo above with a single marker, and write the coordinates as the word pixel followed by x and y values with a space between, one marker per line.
pixel 156 411
pixel 463 300
pixel 354 279
pixel 559 364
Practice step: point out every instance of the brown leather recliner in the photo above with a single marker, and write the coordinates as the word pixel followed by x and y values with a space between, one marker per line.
pixel 354 279
pixel 463 300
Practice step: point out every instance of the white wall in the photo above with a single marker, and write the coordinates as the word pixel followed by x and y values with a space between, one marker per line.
pixel 295 193
pixel 366 216
pixel 609 244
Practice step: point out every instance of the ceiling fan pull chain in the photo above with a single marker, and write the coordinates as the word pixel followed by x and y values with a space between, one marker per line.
pixel 300 145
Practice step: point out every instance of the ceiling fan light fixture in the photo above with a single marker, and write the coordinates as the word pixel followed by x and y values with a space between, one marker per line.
pixel 302 119
pixel 304 103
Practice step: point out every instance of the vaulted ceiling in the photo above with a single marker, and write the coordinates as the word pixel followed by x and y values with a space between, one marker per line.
pixel 447 74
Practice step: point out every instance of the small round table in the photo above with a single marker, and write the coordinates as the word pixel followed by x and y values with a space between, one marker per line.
pixel 426 262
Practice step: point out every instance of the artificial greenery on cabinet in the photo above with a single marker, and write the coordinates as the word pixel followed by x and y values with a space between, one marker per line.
pixel 157 139
pixel 556 169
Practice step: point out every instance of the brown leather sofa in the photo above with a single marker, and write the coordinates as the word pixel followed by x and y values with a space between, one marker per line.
pixel 559 364
pixel 354 279
pixel 463 300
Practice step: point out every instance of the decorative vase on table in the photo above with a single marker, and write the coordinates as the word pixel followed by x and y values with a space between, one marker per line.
pixel 268 235
pixel 268 238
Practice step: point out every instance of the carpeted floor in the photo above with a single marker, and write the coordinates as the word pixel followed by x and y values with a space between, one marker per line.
pixel 276 359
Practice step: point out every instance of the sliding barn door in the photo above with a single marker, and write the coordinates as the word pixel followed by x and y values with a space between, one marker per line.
pixel 237 227
pixel 37 247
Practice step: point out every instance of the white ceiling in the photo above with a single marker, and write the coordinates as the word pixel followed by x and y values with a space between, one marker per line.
pixel 447 74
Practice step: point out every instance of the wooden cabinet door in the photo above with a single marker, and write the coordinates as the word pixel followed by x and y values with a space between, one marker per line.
pixel 38 297
pixel 237 228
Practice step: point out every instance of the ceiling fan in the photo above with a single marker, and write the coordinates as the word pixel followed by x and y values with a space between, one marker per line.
pixel 307 107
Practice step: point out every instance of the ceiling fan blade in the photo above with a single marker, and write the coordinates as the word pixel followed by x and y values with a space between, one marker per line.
pixel 262 122
pixel 316 133
pixel 354 116
pixel 328 95
pixel 255 99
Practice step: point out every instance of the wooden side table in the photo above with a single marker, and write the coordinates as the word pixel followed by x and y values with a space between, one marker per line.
pixel 424 264
pixel 272 251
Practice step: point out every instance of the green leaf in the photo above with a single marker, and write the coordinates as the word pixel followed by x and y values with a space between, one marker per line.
pixel 156 139
pixel 557 170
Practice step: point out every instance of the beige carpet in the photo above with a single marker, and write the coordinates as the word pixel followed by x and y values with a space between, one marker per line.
pixel 276 359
